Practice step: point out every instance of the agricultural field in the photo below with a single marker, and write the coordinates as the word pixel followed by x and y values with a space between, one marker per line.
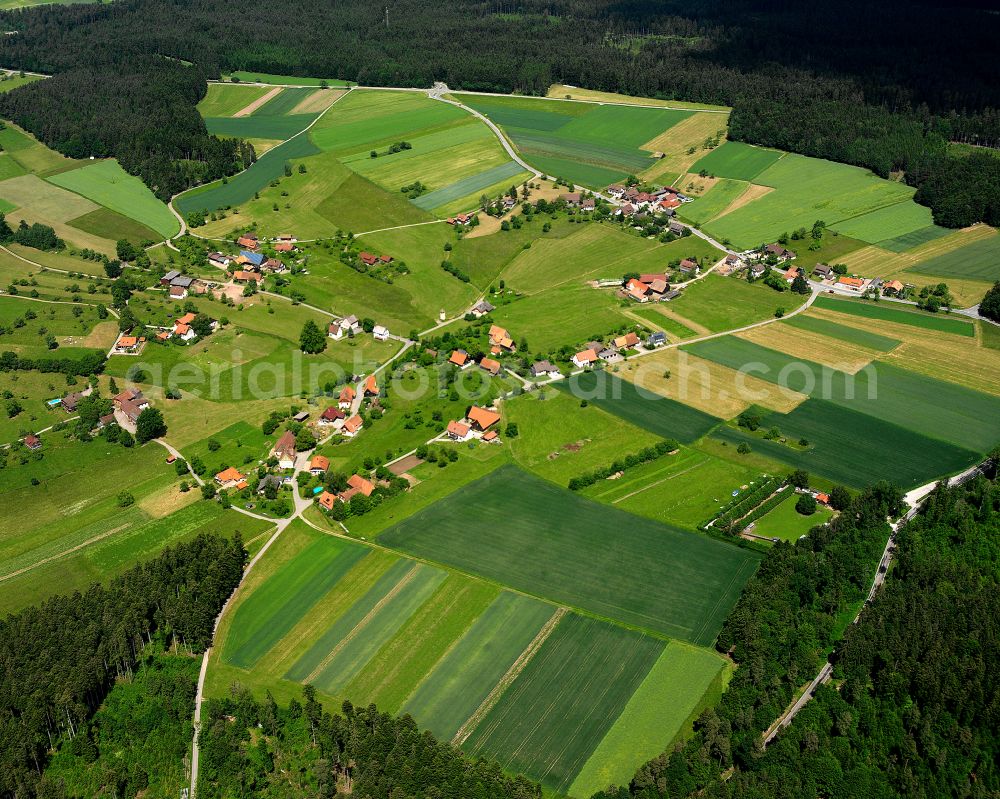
pixel 719 196
pixel 852 335
pixel 807 189
pixel 470 661
pixel 903 222
pixel 979 260
pixel 283 80
pixel 737 161
pixel 715 304
pixel 228 99
pixel 642 407
pixel 898 314
pixel 590 144
pixel 572 552
pixel 107 184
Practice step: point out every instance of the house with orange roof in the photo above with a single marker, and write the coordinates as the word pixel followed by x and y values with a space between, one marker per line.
pixel 627 341
pixel 637 290
pixel 184 332
pixel 327 500
pixel 319 464
pixel 346 398
pixel 584 359
pixel 499 337
pixel 482 419
pixel 371 386
pixel 460 358
pixel 129 345
pixel 187 319
pixel 284 246
pixel 893 288
pixel 356 484
pixel 352 426
pixel 247 241
pixel 457 431
pixel 791 273
pixel 489 365
pixel 241 276
pixel 491 435
pixel 229 477
pixel 852 283
pixel 368 259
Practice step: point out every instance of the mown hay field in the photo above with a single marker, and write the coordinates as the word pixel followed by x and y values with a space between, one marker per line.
pixel 737 161
pixel 569 545
pixel 717 199
pixel 898 314
pixel 226 99
pixel 979 260
pixel 724 303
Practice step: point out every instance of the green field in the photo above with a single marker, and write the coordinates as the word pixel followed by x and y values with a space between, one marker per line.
pixel 111 225
pixel 107 184
pixel 722 303
pixel 660 415
pixel 716 200
pixel 568 696
pixel 934 408
pixel 788 524
pixel 587 143
pixel 293 80
pixel 736 161
pixel 259 127
pixel 472 185
pixel 909 241
pixel 573 544
pixel 894 222
pixel 977 261
pixel 273 609
pixel 853 335
pixel 464 677
pixel 899 314
pixel 808 189
pixel 655 713
pixel 225 99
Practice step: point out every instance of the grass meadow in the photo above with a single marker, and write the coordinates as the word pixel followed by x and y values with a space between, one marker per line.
pixel 852 335
pixel 979 260
pixel 721 303
pixel 788 524
pixel 737 161
pixel 226 99
pixel 898 314
pixel 570 544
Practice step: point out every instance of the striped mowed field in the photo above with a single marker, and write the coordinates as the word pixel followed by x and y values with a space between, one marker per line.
pixel 522 679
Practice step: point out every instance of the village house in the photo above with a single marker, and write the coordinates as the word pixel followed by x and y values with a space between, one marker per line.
pixel 248 258
pixel 481 308
pixel 356 484
pixel 457 431
pixel 247 241
pixel 284 450
pixel 587 204
pixel 332 417
pixel 128 406
pixel 609 355
pixel 219 259
pixel 461 219
pixel 499 337
pixel 380 332
pixel 368 259
pixel 482 419
pixel 626 210
pixel 231 478
pixel 460 358
pixel 615 190
pixel 71 401
pixel 584 359
pixel 274 266
pixel 545 369
pixel 269 481
pixel 346 398
pixel 352 426
pixel 689 267
pixel 823 271
pixel 791 273
pixel 852 283
pixel 626 342
pixel 658 288
pixel 183 329
pixel 637 290
pixel 165 280
pixel 733 261
pixel 327 500
pixel 572 199
pixel 178 292
pixel 489 365
pixel 32 442
pixel 371 386
pixel 284 246
pixel 129 345
pixel 657 339
pixel 676 228
pixel 319 464
pixel 893 288
pixel 757 270
pixel 347 326
pixel 779 252
pixel 241 276
pixel 104 421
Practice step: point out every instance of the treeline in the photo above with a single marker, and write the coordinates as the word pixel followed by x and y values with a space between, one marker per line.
pixel 830 82
pixel 359 752
pixel 789 616
pixel 58 660
pixel 138 742
pixel 90 363
pixel 646 455
pixel 135 107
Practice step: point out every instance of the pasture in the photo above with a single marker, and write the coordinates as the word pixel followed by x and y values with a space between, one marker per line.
pixel 226 99
pixel 788 524
pixel 642 407
pixel 737 161
pixel 807 189
pixel 890 224
pixel 107 184
pixel 570 544
pixel 31 154
pixel 979 260
pixel 553 716
pixel 713 202
pixel 852 335
pixel 723 303
pixel 898 314
pixel 586 143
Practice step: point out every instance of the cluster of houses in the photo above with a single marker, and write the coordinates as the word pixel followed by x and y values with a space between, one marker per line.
pixel 664 200
pixel 356 484
pixel 177 284
pixel 182 329
pixel 127 344
pixel 343 417
pixel 500 340
pixel 127 407
pixel 478 423
pixel 350 326
pixel 614 351
pixel 859 285
pixel 655 287
pixel 283 242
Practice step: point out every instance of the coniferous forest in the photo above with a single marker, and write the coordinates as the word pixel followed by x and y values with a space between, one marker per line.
pixel 882 85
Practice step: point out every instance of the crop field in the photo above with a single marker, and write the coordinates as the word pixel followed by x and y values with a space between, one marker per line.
pixel 470 188
pixel 107 184
pixel 716 200
pixel 655 713
pixel 283 102
pixel 722 303
pixel 31 154
pixel 556 713
pixel 37 200
pixel 226 99
pixel 681 489
pixel 852 335
pixel 870 450
pixel 562 91
pixel 916 238
pixel 259 127
pixel 810 347
pixel 292 80
pixel 890 223
pixel 977 261
pixel 570 544
pixel 737 161
pixel 586 143
pixel 676 142
pixel 642 407
pixel 274 608
pixel 807 189
pixel 113 226
pixel 898 314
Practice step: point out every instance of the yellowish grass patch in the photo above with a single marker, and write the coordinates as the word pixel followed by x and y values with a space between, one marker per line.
pixel 810 346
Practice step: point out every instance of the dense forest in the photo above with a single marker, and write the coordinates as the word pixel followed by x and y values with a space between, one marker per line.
pixel 302 750
pixel 914 706
pixel 59 660
pixel 883 85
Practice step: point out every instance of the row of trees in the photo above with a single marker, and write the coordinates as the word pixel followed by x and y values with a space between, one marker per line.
pixel 58 660
pixel 836 88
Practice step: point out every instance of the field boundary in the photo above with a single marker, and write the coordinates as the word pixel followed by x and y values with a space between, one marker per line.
pixel 512 674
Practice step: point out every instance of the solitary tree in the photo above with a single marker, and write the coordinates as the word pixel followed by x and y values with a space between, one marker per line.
pixel 312 340
pixel 150 425
pixel 806 504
